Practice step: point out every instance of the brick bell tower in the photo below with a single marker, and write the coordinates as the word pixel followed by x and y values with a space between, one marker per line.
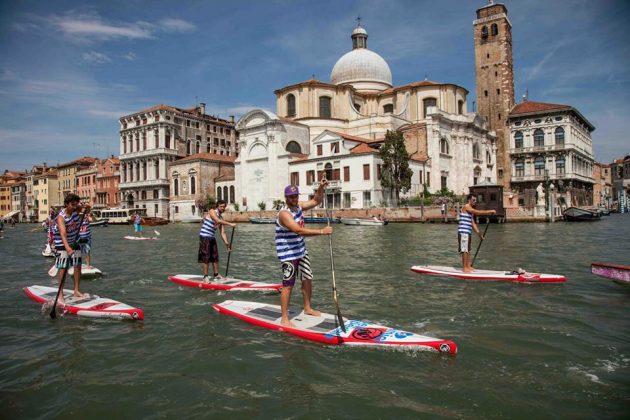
pixel 495 78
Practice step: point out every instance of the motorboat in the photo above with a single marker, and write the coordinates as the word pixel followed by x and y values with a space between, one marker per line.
pixel 576 214
pixel 356 221
pixel 618 273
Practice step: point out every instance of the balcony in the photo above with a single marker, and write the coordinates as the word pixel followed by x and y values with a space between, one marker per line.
pixel 148 153
pixel 541 149
pixel 332 184
pixel 144 184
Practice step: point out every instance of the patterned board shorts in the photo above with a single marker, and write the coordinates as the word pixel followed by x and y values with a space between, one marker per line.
pixel 63 261
pixel 137 228
pixel 291 269
pixel 463 239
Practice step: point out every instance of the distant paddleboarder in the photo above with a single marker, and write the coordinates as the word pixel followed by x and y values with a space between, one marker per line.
pixel 466 226
pixel 137 223
pixel 291 248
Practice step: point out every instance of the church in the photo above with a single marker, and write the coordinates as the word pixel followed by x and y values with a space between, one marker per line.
pixel 334 128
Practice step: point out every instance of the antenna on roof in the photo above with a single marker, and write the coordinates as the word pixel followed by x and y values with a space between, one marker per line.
pixel 526 95
pixel 425 77
pixel 358 20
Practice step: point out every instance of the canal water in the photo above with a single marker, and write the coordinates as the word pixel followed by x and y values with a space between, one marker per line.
pixel 539 350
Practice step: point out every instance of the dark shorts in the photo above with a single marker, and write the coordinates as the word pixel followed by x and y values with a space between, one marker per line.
pixel 463 242
pixel 208 250
pixel 291 269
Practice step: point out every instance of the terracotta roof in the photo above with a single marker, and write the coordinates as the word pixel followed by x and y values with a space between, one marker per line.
pixel 305 83
pixel 192 111
pixel 85 160
pixel 206 156
pixel 362 148
pixel 355 138
pixel 532 107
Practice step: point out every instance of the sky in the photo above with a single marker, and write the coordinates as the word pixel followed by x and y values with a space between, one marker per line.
pixel 70 69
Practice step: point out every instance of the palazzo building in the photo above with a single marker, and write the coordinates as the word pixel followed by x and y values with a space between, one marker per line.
pixel 450 147
pixel 153 138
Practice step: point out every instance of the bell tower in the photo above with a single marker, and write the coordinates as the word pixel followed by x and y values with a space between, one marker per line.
pixel 495 78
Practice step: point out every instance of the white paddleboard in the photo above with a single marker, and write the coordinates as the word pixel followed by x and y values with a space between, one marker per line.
pixel 325 328
pixel 226 283
pixel 90 306
pixel 141 238
pixel 86 272
pixel 523 277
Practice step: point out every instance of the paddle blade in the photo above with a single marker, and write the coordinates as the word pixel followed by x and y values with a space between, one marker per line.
pixel 156 232
pixel 53 271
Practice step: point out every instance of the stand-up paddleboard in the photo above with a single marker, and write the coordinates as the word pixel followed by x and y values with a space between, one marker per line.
pixel 522 276
pixel 141 238
pixel 324 328
pixel 227 283
pixel 86 272
pixel 90 306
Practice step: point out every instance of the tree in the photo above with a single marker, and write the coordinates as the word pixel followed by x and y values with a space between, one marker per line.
pixel 395 173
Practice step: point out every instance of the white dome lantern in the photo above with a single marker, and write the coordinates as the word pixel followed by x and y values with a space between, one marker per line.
pixel 364 69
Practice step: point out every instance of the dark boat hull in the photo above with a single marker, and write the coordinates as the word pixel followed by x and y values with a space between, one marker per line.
pixel 575 214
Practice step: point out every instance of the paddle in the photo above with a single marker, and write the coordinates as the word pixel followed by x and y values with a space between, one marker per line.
pixel 480 242
pixel 332 269
pixel 227 265
pixel 156 232
pixel 53 312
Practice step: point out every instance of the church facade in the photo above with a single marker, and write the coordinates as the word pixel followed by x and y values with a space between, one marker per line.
pixel 345 121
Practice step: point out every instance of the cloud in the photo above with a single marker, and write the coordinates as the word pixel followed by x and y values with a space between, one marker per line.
pixel 92 27
pixel 130 56
pixel 108 115
pixel 96 57
pixel 175 25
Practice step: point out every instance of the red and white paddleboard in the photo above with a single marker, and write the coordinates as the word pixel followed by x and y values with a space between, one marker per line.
pixel 91 306
pixel 522 277
pixel 223 284
pixel 325 329
pixel 141 238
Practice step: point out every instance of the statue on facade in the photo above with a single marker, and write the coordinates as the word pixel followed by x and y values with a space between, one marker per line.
pixel 540 194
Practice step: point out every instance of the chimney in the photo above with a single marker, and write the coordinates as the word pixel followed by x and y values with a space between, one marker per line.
pixel 202 108
pixel 232 118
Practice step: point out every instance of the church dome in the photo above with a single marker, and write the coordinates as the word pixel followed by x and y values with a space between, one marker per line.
pixel 361 65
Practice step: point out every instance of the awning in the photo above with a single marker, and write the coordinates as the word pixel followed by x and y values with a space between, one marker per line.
pixel 9 214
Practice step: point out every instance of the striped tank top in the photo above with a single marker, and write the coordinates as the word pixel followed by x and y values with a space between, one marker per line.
pixel 72 229
pixel 208 227
pixel 465 223
pixel 85 233
pixel 289 245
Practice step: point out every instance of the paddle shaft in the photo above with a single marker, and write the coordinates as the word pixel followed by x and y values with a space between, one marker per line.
pixel 53 312
pixel 227 265
pixel 480 242
pixel 332 268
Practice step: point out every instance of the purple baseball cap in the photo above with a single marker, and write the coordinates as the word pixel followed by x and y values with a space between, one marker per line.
pixel 291 190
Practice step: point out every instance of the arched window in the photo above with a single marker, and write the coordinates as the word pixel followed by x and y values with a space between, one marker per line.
pixel 560 166
pixel 539 138
pixel 208 147
pixel 559 134
pixel 198 147
pixel 156 165
pixel 293 147
pixel 193 185
pixel 428 102
pixel 219 193
pixel 539 166
pixel 444 146
pixel 476 174
pixel 460 107
pixel 476 153
pixel 519 167
pixel 488 157
pixel 324 107
pixel 290 105
pixel 225 193
pixel 188 147
pixel 175 187
pixel 494 29
pixel 232 195
pixel 518 140
pixel 484 32
pixel 357 107
pixel 388 109
pixel 329 170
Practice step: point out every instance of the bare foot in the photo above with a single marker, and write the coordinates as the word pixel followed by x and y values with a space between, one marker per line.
pixel 468 270
pixel 80 295
pixel 312 312
pixel 287 323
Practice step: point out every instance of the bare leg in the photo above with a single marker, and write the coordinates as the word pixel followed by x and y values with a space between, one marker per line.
pixel 204 268
pixel 215 267
pixel 77 279
pixel 307 291
pixel 466 260
pixel 61 276
pixel 285 300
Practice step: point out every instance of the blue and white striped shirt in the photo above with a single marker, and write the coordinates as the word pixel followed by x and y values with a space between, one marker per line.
pixel 289 245
pixel 465 223
pixel 85 233
pixel 72 229
pixel 209 227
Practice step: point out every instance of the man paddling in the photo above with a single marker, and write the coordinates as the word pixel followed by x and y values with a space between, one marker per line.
pixel 66 240
pixel 208 250
pixel 291 248
pixel 466 226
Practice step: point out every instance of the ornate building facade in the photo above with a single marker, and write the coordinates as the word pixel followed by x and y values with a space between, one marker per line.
pixel 153 138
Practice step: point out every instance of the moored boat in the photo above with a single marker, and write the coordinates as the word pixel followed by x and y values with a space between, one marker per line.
pixel 576 214
pixel 100 222
pixel 356 221
pixel 316 219
pixel 617 272
pixel 262 220
pixel 154 221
